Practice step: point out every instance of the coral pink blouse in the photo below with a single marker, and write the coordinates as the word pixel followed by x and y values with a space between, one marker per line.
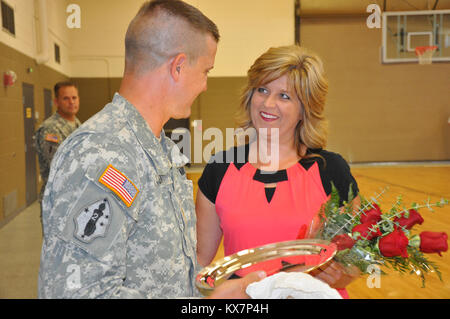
pixel 252 216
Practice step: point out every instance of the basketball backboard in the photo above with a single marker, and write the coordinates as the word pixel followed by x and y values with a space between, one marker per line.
pixel 404 31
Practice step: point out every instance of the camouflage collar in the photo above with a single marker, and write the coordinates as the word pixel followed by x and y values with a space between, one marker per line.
pixel 58 117
pixel 176 158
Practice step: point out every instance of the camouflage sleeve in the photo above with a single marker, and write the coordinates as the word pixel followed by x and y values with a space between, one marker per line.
pixel 86 225
pixel 47 142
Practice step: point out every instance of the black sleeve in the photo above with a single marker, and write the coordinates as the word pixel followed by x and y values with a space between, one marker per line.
pixel 337 171
pixel 212 176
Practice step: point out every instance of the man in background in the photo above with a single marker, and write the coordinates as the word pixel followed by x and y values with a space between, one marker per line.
pixel 54 130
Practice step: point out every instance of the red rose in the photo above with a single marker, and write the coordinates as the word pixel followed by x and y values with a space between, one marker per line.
pixel 394 244
pixel 371 216
pixel 433 242
pixel 343 241
pixel 413 219
pixel 364 231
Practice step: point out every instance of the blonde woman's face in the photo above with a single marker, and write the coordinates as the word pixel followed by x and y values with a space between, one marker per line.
pixel 274 105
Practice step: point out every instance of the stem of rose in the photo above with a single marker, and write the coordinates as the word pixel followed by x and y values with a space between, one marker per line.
pixel 360 211
pixel 398 214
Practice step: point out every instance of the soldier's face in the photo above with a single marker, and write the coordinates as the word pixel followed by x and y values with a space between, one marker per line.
pixel 68 102
pixel 196 76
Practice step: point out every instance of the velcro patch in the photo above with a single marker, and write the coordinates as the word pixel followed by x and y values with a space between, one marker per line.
pixel 52 138
pixel 93 221
pixel 119 184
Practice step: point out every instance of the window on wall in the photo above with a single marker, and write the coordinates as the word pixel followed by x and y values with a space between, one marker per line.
pixel 57 54
pixel 8 18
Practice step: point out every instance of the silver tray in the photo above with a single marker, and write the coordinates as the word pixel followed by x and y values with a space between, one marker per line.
pixel 218 272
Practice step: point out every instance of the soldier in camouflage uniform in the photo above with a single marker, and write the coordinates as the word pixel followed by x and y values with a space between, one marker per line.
pixel 54 130
pixel 119 218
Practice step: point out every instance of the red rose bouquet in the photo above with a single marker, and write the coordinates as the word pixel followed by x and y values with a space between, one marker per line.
pixel 372 237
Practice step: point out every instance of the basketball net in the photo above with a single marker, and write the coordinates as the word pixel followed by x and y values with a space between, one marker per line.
pixel 425 54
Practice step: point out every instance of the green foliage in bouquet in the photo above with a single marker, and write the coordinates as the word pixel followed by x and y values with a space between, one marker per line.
pixel 370 237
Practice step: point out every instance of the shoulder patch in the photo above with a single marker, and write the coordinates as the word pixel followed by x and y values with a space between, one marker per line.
pixel 119 184
pixel 92 221
pixel 52 138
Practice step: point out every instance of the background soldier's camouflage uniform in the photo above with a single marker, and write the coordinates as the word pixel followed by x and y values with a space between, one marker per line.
pixel 148 249
pixel 54 125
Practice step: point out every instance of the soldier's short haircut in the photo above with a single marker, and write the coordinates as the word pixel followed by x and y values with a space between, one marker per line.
pixel 161 30
pixel 61 85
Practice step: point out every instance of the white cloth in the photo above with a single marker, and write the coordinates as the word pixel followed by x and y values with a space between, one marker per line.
pixel 295 285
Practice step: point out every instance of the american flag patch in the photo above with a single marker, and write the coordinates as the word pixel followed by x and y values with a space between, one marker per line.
pixel 52 138
pixel 119 184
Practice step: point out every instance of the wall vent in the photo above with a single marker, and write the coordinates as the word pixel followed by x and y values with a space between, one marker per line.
pixel 8 18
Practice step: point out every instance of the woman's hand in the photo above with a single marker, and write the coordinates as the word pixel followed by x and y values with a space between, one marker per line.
pixel 336 275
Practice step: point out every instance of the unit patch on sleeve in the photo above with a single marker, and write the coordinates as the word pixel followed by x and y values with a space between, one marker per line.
pixel 119 184
pixel 92 221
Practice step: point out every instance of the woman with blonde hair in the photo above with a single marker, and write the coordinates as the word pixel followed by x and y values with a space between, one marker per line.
pixel 284 176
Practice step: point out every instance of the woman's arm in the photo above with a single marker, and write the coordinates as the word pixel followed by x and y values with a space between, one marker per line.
pixel 209 232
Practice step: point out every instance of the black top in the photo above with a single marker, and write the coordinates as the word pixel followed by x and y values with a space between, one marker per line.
pixel 332 168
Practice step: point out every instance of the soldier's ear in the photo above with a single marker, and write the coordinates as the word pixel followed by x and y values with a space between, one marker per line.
pixel 176 66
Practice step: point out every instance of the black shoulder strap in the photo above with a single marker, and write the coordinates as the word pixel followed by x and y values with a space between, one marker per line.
pixel 212 176
pixel 333 169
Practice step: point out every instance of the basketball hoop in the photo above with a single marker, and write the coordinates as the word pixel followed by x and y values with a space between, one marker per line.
pixel 425 53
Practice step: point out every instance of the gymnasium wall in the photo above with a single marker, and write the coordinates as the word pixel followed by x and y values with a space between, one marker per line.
pixel 18 53
pixel 379 112
pixel 246 28
pixel 12 156
pixel 28 39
